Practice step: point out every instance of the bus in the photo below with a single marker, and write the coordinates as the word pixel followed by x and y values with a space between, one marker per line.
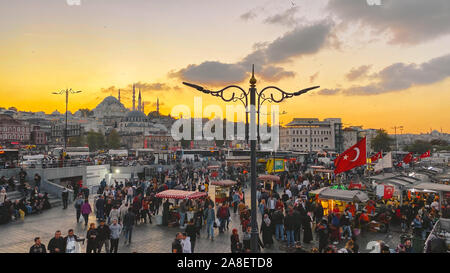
pixel 77 151
pixel 197 154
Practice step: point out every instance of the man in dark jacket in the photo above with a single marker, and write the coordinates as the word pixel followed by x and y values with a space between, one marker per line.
pixel 57 244
pixel 128 223
pixel 100 206
pixel 297 223
pixel 38 247
pixel 289 225
pixel 103 236
pixel 277 220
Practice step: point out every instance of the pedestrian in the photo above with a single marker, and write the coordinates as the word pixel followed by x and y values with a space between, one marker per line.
pixel 116 229
pixel 91 235
pixel 210 219
pixel 176 244
pixel 236 245
pixel 103 236
pixel 78 204
pixel 289 225
pixel 267 231
pixel 57 244
pixel 191 231
pixel 322 228
pixel 186 243
pixel 85 211
pixel 38 247
pixel 128 223
pixel 65 197
pixel 72 242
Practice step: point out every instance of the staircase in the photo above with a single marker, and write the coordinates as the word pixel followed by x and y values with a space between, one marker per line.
pixel 16 195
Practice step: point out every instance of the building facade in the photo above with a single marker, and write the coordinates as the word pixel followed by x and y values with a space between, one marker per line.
pixel 13 131
pixel 311 134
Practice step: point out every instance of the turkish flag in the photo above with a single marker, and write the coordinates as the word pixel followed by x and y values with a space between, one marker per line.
pixel 408 158
pixel 415 159
pixel 388 192
pixel 374 158
pixel 426 154
pixel 353 157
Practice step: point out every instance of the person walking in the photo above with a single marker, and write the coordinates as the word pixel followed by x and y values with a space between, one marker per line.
pixel 128 223
pixel 267 231
pixel 289 225
pixel 78 204
pixel 85 211
pixel 65 197
pixel 116 229
pixel 72 240
pixel 191 231
pixel 278 222
pixel 38 247
pixel 57 244
pixel 236 245
pixel 91 236
pixel 103 236
pixel 210 219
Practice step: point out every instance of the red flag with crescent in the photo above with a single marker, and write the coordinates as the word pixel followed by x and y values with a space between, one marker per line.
pixel 408 158
pixel 388 192
pixel 426 154
pixel 374 158
pixel 353 157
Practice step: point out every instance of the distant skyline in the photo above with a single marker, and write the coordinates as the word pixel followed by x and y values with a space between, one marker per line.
pixel 378 66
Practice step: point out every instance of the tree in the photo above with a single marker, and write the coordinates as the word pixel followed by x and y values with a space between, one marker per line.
pixel 419 147
pixel 95 141
pixel 113 140
pixel 77 141
pixel 382 141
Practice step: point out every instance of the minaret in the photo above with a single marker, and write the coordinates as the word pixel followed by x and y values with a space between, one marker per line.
pixel 139 101
pixel 134 98
pixel 119 95
pixel 157 106
pixel 143 103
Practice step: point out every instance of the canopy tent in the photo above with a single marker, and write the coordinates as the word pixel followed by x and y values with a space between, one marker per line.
pixel 224 183
pixel 179 194
pixel 339 187
pixel 342 195
pixel 431 187
pixel 213 167
pixel 269 177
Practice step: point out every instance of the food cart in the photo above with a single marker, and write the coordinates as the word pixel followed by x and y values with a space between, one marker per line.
pixel 269 181
pixel 222 188
pixel 179 194
pixel 214 170
pixel 441 189
pixel 332 198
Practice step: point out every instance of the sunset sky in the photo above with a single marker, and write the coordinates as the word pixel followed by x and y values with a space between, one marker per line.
pixel 378 66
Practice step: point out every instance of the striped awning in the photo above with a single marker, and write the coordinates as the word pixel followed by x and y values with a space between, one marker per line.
pixel 226 183
pixel 269 177
pixel 179 194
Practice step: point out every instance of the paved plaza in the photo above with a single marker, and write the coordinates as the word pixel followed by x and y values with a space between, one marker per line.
pixel 17 237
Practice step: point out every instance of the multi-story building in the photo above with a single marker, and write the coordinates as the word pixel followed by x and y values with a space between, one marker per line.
pixel 13 131
pixel 161 142
pixel 311 134
pixel 73 130
pixel 38 136
pixel 350 136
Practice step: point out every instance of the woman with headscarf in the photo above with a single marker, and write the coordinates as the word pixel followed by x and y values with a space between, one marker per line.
pixel 307 232
pixel 236 245
pixel 267 231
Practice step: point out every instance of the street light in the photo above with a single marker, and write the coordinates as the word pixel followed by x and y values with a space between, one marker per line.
pixel 67 92
pixel 244 97
pixel 396 140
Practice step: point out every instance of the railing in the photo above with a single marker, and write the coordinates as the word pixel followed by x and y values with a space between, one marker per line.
pixel 55 189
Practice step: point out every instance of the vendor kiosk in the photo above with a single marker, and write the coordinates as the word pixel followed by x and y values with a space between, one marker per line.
pixel 333 199
pixel 222 189
pixel 269 182
pixel 174 216
pixel 214 171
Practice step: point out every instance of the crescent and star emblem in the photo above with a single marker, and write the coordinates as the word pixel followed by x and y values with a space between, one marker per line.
pixel 357 154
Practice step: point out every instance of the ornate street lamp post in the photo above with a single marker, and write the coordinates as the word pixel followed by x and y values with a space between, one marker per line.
pixel 245 97
pixel 67 92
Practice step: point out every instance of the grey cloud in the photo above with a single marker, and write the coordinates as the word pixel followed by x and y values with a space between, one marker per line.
pixel 400 76
pixel 303 40
pixel 357 73
pixel 313 77
pixel 286 18
pixel 328 92
pixel 408 21
pixel 249 15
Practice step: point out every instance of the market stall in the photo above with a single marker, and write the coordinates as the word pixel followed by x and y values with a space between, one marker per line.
pixel 174 216
pixel 269 181
pixel 336 198
pixel 214 170
pixel 222 189
pixel 424 188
